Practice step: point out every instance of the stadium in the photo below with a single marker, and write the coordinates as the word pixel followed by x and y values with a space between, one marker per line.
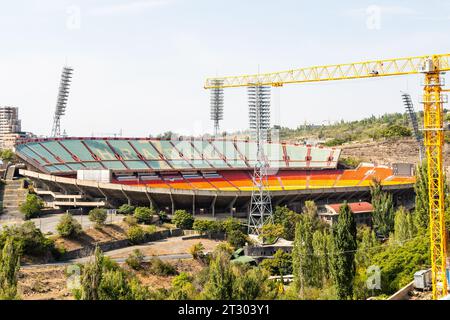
pixel 203 176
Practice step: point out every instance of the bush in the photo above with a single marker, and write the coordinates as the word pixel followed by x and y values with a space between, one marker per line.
pixel 395 131
pixel 126 209
pixel 196 250
pixel 30 239
pixel 150 229
pixel 161 268
pixel 207 226
pixel 32 206
pixel 183 219
pixel 135 260
pixel 231 224
pixel 144 215
pixel 98 216
pixel 163 216
pixel 236 238
pixel 68 226
pixel 136 234
pixel 130 220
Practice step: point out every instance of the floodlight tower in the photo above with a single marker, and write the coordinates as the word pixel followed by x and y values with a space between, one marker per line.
pixel 407 101
pixel 61 102
pixel 217 105
pixel 259 117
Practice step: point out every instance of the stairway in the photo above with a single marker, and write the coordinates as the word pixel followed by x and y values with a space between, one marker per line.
pixel 11 195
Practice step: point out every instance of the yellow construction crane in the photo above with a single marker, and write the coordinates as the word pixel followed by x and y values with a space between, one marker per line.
pixel 432 67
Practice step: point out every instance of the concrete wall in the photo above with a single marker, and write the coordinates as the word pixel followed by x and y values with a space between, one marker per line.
pixel 402 294
pixel 118 244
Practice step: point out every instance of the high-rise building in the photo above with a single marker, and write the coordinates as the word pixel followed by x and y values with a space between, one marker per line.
pixel 10 127
pixel 9 120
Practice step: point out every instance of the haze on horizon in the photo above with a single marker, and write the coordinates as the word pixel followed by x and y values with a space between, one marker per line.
pixel 140 64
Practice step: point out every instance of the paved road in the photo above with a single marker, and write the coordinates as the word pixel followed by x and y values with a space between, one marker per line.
pixel 49 222
pixel 119 260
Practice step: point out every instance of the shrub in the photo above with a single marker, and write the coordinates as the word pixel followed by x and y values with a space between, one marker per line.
pixel 30 239
pixel 394 131
pixel 183 219
pixel 231 224
pixel 144 214
pixel 68 226
pixel 196 250
pixel 206 226
pixel 161 268
pixel 150 229
pixel 136 234
pixel 130 220
pixel 163 216
pixel 98 216
pixel 32 206
pixel 126 209
pixel 135 260
pixel 236 238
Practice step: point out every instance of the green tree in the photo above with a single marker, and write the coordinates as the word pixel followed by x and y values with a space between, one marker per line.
pixel 182 219
pixel 114 285
pixel 288 219
pixel 404 226
pixel 252 284
pixel 280 265
pixel 231 224
pixel 7 155
pixel 98 216
pixel 144 214
pixel 303 260
pixel 182 287
pixel 421 212
pixel 9 270
pixel 366 243
pixel 271 232
pixel 344 249
pixel 321 242
pixel 92 277
pixel 68 226
pixel 32 206
pixel 221 280
pixel 237 238
pixel 383 209
pixel 421 216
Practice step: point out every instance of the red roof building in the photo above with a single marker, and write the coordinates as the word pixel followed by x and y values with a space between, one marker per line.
pixel 361 210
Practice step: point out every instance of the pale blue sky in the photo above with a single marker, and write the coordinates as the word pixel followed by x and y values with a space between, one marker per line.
pixel 140 64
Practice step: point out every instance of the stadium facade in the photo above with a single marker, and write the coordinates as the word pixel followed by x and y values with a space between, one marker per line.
pixel 204 176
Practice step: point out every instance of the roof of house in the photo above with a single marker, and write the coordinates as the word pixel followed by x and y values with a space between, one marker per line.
pixel 357 207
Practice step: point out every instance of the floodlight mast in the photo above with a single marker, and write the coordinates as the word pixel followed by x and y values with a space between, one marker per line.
pixel 61 102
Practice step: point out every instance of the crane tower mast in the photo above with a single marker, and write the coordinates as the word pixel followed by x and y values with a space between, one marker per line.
pixel 432 67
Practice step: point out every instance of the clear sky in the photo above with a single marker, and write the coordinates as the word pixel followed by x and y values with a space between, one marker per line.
pixel 140 64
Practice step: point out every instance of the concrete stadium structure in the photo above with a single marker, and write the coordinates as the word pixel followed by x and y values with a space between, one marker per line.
pixel 202 176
